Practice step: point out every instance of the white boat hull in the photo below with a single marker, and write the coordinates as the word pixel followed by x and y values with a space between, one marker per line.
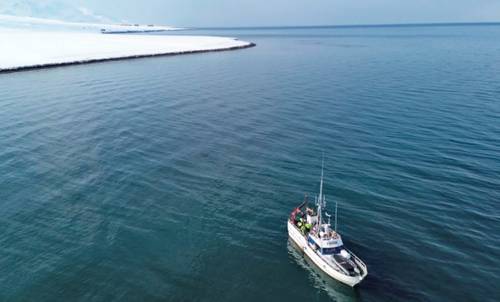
pixel 299 239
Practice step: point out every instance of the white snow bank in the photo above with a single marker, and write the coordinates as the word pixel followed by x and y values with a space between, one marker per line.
pixel 22 49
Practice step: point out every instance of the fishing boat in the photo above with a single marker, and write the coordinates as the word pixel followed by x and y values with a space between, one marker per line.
pixel 321 243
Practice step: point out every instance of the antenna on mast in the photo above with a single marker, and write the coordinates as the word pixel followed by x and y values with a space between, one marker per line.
pixel 336 215
pixel 321 183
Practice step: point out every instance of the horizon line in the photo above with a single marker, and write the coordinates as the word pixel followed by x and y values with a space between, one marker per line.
pixel 416 24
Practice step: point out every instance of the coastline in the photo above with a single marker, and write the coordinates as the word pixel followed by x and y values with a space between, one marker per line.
pixel 28 50
pixel 132 57
pixel 33 22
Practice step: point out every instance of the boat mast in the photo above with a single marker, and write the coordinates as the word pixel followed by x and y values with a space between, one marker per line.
pixel 321 199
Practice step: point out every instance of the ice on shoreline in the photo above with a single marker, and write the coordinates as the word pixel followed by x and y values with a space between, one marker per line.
pixel 22 49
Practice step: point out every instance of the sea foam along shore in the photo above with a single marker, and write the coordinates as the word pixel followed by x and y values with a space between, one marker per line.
pixel 30 49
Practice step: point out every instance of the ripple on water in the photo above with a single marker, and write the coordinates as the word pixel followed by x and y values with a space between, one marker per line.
pixel 172 177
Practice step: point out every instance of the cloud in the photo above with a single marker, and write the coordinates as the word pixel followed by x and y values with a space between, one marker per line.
pixel 89 13
pixel 51 9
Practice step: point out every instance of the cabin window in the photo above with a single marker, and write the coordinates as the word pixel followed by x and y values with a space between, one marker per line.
pixel 331 250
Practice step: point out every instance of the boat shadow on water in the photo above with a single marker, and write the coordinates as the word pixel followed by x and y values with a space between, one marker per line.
pixel 334 289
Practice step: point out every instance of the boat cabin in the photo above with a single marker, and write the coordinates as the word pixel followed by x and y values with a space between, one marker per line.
pixel 326 241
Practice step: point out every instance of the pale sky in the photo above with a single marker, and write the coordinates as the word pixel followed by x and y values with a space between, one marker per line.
pixel 212 13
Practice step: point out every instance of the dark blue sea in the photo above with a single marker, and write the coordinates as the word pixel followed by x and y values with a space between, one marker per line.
pixel 171 178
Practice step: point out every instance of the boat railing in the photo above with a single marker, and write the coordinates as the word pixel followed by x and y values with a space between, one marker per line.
pixel 359 262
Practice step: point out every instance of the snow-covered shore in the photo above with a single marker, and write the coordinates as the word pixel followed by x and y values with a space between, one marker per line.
pixel 60 25
pixel 26 49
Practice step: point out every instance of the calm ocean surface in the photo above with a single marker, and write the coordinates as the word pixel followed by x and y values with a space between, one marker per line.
pixel 171 179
